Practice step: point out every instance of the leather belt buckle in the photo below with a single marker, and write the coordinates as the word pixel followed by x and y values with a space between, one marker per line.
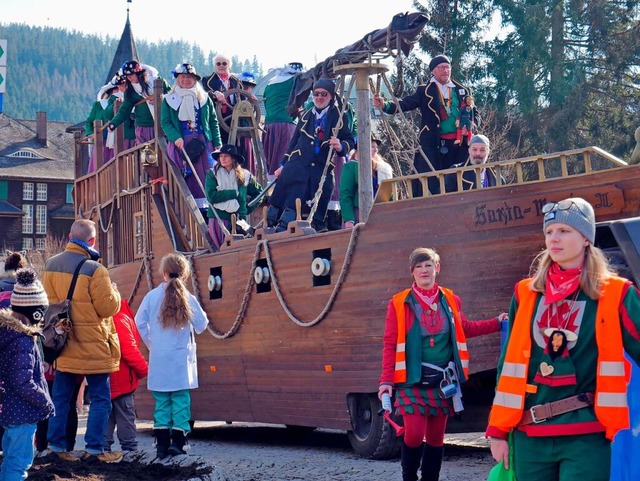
pixel 538 417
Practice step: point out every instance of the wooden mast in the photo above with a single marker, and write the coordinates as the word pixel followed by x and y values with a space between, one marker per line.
pixel 363 114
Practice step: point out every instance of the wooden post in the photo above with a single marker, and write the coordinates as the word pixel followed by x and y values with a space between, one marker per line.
pixel 363 114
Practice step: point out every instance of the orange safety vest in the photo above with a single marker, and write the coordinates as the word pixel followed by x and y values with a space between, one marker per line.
pixel 400 374
pixel 613 370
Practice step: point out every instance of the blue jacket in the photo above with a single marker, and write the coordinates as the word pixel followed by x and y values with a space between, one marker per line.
pixel 26 398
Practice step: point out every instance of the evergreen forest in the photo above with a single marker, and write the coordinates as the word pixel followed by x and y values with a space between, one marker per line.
pixel 63 81
pixel 547 75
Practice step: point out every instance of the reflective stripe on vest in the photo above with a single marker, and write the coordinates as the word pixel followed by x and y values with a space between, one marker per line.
pixel 613 369
pixel 400 374
pixel 461 339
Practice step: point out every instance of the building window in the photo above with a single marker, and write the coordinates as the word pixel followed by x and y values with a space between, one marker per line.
pixel 4 189
pixel 69 193
pixel 41 191
pixel 41 219
pixel 27 243
pixel 27 191
pixel 41 243
pixel 27 219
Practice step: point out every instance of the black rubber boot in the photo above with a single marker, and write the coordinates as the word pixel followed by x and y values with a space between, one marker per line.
pixel 334 220
pixel 431 462
pixel 163 438
pixel 178 440
pixel 410 461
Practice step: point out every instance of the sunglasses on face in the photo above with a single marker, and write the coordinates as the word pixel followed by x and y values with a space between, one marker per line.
pixel 321 94
pixel 221 63
pixel 562 205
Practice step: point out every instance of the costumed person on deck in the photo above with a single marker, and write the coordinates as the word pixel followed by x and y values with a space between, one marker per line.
pixel 219 82
pixel 278 125
pixel 138 99
pixel 116 99
pixel 479 150
pixel 190 122
pixel 168 319
pixel 243 139
pixel 563 375
pixel 99 111
pixel 24 397
pixel 228 187
pixel 323 128
pixel 349 192
pixel 438 102
pixel 425 361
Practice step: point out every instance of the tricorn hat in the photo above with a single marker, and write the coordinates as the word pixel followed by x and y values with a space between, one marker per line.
pixel 231 150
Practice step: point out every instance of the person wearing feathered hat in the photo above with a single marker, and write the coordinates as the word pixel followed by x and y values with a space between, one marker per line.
pixel 190 122
pixel 322 131
pixel 99 111
pixel 278 125
pixel 120 81
pixel 438 102
pixel 24 397
pixel 140 86
pixel 228 186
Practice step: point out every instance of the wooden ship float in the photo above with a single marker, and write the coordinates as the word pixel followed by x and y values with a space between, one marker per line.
pixel 297 318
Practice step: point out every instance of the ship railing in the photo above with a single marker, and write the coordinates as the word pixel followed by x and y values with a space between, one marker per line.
pixel 119 194
pixel 518 171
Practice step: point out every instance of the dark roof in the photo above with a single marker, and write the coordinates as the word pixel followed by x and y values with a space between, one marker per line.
pixel 126 50
pixel 65 211
pixel 9 210
pixel 56 158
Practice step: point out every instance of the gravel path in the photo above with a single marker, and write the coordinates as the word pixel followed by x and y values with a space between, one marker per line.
pixel 258 452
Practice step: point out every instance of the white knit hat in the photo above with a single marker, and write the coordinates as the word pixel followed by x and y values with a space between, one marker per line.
pixel 28 290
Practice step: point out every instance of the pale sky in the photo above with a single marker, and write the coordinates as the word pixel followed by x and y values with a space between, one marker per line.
pixel 275 31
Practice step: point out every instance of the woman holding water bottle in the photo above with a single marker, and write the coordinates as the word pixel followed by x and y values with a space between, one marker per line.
pixel 425 360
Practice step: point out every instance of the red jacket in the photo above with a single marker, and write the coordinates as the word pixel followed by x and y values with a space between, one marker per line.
pixel 133 366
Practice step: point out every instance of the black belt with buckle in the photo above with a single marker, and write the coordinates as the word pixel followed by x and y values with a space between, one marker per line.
pixel 541 412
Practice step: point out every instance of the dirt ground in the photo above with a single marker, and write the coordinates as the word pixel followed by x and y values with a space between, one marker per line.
pixel 123 471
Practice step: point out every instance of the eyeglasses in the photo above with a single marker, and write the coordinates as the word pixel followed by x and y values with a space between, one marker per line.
pixel 562 205
pixel 221 63
pixel 321 94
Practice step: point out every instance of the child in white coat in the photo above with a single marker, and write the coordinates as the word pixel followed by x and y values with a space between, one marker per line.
pixel 168 319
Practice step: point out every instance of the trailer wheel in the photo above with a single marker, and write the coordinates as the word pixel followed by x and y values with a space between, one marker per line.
pixel 372 437
pixel 619 262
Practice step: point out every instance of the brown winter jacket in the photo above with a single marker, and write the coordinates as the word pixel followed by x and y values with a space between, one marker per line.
pixel 93 347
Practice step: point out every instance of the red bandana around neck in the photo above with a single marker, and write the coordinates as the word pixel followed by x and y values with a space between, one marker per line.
pixel 560 284
pixel 426 297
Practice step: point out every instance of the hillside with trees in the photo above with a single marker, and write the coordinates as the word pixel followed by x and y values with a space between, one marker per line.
pixel 63 81
pixel 547 75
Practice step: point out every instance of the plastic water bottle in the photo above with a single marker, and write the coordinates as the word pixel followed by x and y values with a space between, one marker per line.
pixel 386 402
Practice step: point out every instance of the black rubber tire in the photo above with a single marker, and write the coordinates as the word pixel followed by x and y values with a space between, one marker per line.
pixel 372 437
pixel 618 262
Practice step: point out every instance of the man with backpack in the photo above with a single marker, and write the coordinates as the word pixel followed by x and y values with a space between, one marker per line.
pixel 92 347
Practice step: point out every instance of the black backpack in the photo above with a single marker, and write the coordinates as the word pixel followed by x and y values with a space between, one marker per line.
pixel 57 323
